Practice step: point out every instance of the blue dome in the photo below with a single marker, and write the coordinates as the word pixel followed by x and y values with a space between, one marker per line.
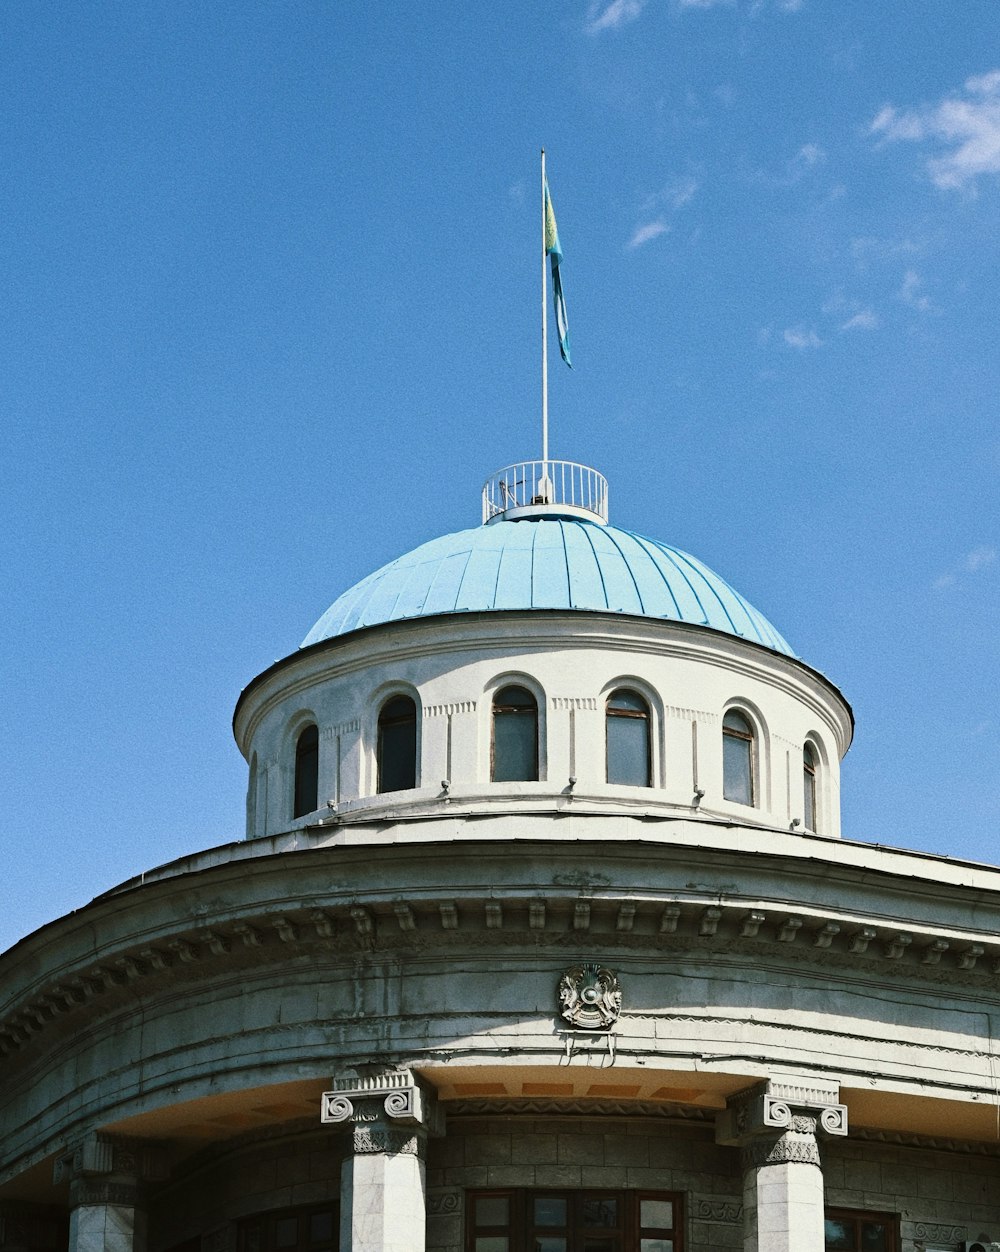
pixel 547 564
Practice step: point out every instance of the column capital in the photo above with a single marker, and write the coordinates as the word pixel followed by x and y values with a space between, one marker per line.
pixel 111 1157
pixel 777 1106
pixel 388 1111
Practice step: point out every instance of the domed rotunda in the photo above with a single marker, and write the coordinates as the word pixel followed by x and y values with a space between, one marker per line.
pixel 543 938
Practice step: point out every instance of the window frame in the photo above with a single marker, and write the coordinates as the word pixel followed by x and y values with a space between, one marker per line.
pixel 297 776
pixel 301 1213
pixel 751 738
pixel 810 787
pixel 513 711
pixel 856 1217
pixel 380 722
pixel 520 1230
pixel 646 715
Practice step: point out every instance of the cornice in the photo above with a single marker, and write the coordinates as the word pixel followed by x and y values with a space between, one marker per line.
pixel 817 942
pixel 415 638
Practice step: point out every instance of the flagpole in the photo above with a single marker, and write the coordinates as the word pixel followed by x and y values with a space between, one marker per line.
pixel 545 335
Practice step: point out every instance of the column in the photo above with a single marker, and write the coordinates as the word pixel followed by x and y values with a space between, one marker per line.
pixel 106 1176
pixel 775 1125
pixel 383 1204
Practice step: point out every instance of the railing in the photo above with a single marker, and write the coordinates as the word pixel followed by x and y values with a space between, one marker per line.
pixel 537 488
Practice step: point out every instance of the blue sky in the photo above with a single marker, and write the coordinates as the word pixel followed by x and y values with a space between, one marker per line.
pixel 271 317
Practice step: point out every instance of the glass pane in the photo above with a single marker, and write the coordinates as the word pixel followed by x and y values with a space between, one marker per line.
pixel 628 751
pixel 809 800
pixel 736 721
pixel 656 1245
pixel 736 773
pixel 306 772
pixel 874 1237
pixel 658 1213
pixel 397 753
pixel 492 1210
pixel 286 1232
pixel 321 1226
pixel 515 735
pixel 629 700
pixel 839 1235
pixel 600 1212
pixel 492 1243
pixel 252 1240
pixel 550 1211
pixel 549 1243
pixel 600 1245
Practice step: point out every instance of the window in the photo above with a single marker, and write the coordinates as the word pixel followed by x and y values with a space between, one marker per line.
pixel 737 758
pixel 627 727
pixel 306 772
pixel 573 1221
pixel 851 1231
pixel 397 745
pixel 809 787
pixel 515 736
pixel 293 1230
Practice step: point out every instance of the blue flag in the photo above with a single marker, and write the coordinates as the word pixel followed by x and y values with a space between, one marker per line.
pixel 553 250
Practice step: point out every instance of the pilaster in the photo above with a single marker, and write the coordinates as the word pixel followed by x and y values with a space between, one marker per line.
pixel 106 1178
pixel 383 1189
pixel 775 1126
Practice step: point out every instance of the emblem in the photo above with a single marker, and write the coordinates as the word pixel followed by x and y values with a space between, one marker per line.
pixel 590 996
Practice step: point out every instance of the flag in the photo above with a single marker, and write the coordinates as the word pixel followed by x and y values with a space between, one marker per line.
pixel 553 250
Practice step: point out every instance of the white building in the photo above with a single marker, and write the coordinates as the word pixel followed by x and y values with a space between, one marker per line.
pixel 543 939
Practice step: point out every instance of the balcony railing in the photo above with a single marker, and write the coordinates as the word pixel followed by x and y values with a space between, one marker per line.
pixel 545 488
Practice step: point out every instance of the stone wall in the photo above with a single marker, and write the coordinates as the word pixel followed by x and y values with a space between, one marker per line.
pixel 617 1153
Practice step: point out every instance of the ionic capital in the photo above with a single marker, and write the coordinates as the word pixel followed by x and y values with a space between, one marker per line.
pixel 779 1106
pixel 379 1107
pixel 111 1157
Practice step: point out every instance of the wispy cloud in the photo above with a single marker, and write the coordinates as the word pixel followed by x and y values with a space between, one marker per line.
pixel 655 209
pixel 605 16
pixel 643 234
pixel 966 125
pixel 801 338
pixel 864 319
pixel 912 295
pixel 974 562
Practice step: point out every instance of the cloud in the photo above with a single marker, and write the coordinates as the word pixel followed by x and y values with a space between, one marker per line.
pixel 680 192
pixel 911 295
pixel 979 558
pixel 964 127
pixel 864 319
pixel 610 16
pixel 974 562
pixel 799 337
pixel 652 230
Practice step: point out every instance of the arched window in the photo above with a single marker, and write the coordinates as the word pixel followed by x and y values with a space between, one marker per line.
pixel 809 787
pixel 306 772
pixel 397 745
pixel 515 736
pixel 737 758
pixel 627 732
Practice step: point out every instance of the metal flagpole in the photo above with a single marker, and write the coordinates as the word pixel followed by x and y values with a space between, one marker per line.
pixel 545 354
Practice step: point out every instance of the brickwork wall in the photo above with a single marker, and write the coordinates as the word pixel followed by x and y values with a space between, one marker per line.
pixel 942 1198
pixel 617 1153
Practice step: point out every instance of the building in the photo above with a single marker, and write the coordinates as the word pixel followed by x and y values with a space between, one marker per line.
pixel 543 936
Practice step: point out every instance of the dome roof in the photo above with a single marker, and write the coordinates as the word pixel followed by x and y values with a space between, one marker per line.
pixel 547 563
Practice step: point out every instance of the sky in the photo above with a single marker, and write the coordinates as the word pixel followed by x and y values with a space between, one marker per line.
pixel 271 315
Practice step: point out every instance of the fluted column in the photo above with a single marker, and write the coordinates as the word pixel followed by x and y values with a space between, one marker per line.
pixel 106 1176
pixel 383 1205
pixel 775 1126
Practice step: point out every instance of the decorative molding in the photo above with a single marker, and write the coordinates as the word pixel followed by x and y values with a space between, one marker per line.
pixel 99 1155
pixel 968 1147
pixel 573 702
pixel 590 996
pixel 97 1191
pixel 371 1139
pixel 692 715
pixel 351 727
pixel 936 1230
pixel 729 1211
pixel 790 1148
pixel 442 1203
pixel 405 1102
pixel 448 710
pixel 529 1106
